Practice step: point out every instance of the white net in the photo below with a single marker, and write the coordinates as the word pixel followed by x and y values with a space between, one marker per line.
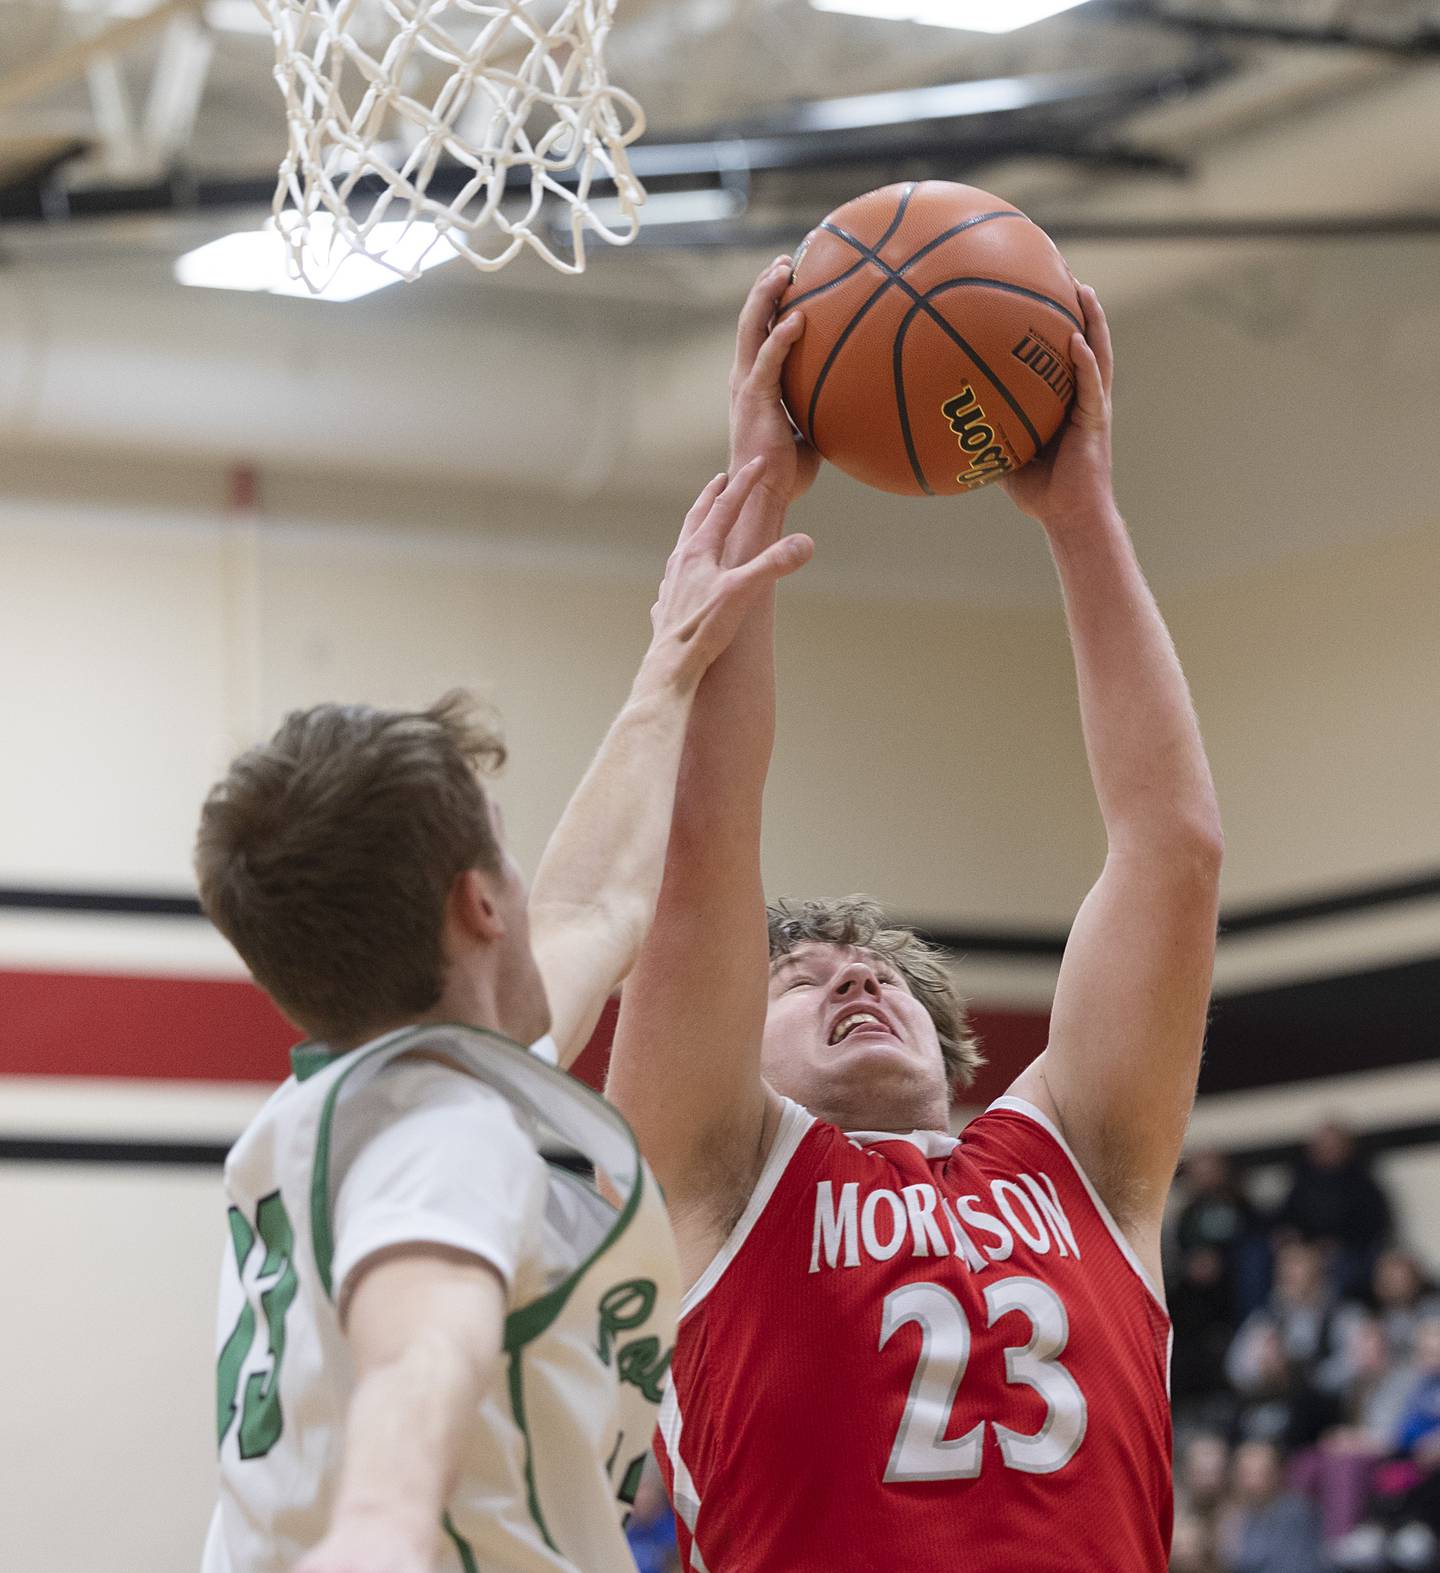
pixel 450 124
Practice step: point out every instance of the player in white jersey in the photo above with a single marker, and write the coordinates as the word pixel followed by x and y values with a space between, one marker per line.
pixel 438 1348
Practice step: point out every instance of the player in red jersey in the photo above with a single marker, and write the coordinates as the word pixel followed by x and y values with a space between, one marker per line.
pixel 899 1350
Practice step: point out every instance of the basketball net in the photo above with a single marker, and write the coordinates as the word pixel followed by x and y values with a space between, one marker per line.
pixel 506 101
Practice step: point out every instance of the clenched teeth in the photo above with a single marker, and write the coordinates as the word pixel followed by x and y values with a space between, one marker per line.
pixel 847 1024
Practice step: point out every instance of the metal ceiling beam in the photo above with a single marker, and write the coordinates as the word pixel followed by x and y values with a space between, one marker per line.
pixel 1203 230
pixel 1064 116
pixel 1421 41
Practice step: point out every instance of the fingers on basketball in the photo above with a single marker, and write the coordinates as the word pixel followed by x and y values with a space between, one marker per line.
pixel 755 316
pixel 1090 390
pixel 765 379
pixel 1097 333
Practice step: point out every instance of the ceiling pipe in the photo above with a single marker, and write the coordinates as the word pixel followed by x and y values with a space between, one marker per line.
pixel 1033 116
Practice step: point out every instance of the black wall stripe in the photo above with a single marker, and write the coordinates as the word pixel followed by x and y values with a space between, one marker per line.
pixel 163 1154
pixel 1323 1027
pixel 77 1149
pixel 1252 919
pixel 128 904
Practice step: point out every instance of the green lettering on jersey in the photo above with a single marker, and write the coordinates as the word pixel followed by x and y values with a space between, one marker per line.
pixel 237 1345
pixel 642 1365
pixel 625 1306
pixel 261 1420
pixel 640 1362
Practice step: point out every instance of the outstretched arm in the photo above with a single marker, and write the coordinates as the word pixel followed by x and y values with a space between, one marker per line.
pixel 425 1327
pixel 685 1068
pixel 1128 1020
pixel 595 891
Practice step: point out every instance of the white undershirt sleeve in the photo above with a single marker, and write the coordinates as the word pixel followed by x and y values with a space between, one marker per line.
pixel 445 1162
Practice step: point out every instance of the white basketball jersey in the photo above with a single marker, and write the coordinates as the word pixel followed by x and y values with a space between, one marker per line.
pixel 557 1448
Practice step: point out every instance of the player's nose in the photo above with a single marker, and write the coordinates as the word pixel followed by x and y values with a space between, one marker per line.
pixel 855 978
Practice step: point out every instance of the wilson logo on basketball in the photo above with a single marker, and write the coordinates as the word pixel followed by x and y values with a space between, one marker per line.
pixel 988 451
pixel 1047 363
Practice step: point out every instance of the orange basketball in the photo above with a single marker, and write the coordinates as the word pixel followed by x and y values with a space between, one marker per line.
pixel 936 351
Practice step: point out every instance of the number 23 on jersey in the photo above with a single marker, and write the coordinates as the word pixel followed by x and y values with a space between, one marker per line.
pixel 921 1450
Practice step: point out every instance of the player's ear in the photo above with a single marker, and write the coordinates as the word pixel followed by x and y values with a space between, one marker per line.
pixel 473 907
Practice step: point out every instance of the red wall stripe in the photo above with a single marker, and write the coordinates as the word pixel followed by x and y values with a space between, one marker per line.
pixel 211 1029
pixel 172 1029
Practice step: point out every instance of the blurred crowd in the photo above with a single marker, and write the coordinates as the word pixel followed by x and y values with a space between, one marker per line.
pixel 1305 1376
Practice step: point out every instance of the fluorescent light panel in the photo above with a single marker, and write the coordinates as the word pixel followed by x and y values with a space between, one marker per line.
pixel 258 261
pixel 711 205
pixel 973 16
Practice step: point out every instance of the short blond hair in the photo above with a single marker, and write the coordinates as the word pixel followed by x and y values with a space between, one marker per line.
pixel 860 921
pixel 326 857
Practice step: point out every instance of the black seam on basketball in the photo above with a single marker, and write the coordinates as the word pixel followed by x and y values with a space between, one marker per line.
pixel 850 273
pixel 922 303
pixel 839 344
pixel 903 406
pixel 964 343
pixel 821 289
pixel 1010 289
pixel 959 229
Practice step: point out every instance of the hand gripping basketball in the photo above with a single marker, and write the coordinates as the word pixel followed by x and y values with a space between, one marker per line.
pixel 759 426
pixel 1071 478
pixel 701 602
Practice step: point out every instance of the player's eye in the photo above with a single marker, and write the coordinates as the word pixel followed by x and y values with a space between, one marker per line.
pixel 798 983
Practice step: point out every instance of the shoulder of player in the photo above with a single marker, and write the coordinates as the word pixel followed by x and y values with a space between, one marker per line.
pixel 1014 1132
pixel 727 1188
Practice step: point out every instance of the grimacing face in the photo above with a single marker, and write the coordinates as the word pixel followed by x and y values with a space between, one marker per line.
pixel 845 1037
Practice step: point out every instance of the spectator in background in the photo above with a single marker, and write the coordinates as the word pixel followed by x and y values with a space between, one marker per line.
pixel 1339 1475
pixel 651 1530
pixel 1418 1433
pixel 1375 1391
pixel 1217 1216
pixel 1404 1528
pixel 1192 1546
pixel 1403 1297
pixel 1302 1310
pixel 1202 1314
pixel 1268 1529
pixel 1202 1474
pixel 1276 1400
pixel 1337 1203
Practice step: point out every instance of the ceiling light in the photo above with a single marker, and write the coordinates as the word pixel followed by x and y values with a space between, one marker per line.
pixel 712 205
pixel 236 16
pixel 975 16
pixel 258 260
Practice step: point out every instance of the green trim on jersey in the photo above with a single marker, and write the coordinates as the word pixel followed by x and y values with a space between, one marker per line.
pixel 310 1058
pixel 517 1408
pixel 527 1323
pixel 463 1549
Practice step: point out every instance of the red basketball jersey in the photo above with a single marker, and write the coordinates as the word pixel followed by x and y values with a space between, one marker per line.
pixel 922 1355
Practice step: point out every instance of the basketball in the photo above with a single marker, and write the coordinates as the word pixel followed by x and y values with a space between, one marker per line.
pixel 935 357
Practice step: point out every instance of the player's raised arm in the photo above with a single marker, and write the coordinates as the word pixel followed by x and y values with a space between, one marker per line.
pixel 1130 1005
pixel 686 1063
pixel 595 891
pixel 425 1330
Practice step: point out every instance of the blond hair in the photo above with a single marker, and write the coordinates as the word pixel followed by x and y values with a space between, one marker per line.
pixel 860 921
